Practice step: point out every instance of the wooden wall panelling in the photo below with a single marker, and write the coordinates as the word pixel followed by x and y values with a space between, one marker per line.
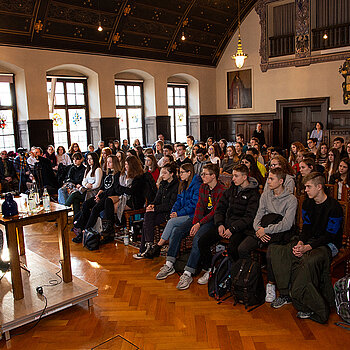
pixel 40 133
pixel 110 129
pixel 163 126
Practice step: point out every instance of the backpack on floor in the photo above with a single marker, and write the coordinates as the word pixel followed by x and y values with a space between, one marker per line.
pixel 247 283
pixel 91 239
pixel 342 301
pixel 181 262
pixel 220 276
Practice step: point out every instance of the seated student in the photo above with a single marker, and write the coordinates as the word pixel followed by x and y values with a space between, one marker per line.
pixel 100 147
pixel 239 150
pixel 44 175
pixel 342 176
pixel 312 145
pixel 152 167
pixel 106 151
pixel 273 223
pixel 210 193
pixel 240 138
pixel 167 151
pixel 282 163
pixel 322 154
pixel 318 167
pixel 74 148
pixel 189 148
pixel 332 163
pixel 74 178
pixel 229 160
pixel 159 150
pixel 306 166
pixel 22 169
pixel 255 154
pixel 158 211
pixel 181 217
pixel 301 267
pixel 181 158
pixel 233 217
pixel 90 184
pixel 200 161
pixel 223 148
pixel 92 207
pixel 214 154
pixel 125 145
pixel 51 156
pixel 338 143
pixel 8 176
pixel 254 172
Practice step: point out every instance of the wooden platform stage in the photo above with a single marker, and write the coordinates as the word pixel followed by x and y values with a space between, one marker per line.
pixel 16 313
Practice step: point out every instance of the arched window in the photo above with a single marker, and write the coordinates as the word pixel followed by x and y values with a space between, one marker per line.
pixel 8 113
pixel 68 110
pixel 129 105
pixel 178 112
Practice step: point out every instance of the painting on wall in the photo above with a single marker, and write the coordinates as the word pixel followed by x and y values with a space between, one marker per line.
pixel 239 89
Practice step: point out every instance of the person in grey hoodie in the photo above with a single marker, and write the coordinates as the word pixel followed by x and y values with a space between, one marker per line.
pixel 273 223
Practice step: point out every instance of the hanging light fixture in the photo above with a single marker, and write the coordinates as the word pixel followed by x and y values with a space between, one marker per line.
pixel 240 56
pixel 100 29
pixel 183 38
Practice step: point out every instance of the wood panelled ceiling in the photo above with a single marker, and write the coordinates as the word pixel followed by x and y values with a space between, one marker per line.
pixel 148 29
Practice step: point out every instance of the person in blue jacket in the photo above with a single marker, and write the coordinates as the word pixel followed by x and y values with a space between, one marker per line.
pixel 181 218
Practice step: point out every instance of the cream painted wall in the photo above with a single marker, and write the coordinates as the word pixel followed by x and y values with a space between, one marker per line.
pixel 101 71
pixel 316 80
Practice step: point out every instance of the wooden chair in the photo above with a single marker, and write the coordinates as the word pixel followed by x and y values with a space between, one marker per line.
pixel 332 190
pixel 226 180
pixel 130 213
pixel 344 252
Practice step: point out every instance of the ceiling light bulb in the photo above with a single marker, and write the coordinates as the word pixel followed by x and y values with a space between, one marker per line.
pixel 325 36
pixel 99 27
pixel 183 38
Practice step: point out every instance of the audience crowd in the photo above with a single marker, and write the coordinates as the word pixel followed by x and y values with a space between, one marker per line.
pixel 244 193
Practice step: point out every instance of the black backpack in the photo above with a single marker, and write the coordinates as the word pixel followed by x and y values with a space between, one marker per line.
pixel 220 276
pixel 247 283
pixel 342 301
pixel 91 239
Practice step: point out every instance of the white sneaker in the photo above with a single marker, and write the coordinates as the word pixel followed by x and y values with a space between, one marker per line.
pixel 270 293
pixel 204 279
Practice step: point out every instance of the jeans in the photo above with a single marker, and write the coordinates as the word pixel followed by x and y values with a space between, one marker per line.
pixel 173 224
pixel 180 228
pixel 195 254
pixel 62 195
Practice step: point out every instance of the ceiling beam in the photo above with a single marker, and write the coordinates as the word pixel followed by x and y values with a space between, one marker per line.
pixel 116 23
pixel 39 13
pixel 179 26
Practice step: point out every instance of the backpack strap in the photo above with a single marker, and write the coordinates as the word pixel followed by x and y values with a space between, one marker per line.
pixel 234 281
pixel 344 325
pixel 246 279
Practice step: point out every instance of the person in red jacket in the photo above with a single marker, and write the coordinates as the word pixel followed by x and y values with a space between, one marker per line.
pixel 210 193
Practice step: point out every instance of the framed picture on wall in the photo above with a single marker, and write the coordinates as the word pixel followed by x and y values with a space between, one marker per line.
pixel 239 89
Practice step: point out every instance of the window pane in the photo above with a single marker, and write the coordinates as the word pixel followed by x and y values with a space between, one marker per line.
pixel 177 101
pixel 181 134
pixel 135 120
pixel 180 114
pixel 48 86
pixel 131 101
pixel 71 99
pixel 137 100
pixel 5 94
pixel 80 138
pixel 121 90
pixel 121 115
pixel 59 120
pixel 59 88
pixel 6 122
pixel 70 88
pixel 80 100
pixel 60 139
pixel 121 100
pixel 59 99
pixel 172 125
pixel 79 88
pixel 77 120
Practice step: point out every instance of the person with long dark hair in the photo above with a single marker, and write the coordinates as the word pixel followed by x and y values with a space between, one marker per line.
pixel 249 161
pixel 332 163
pixel 158 211
pixel 229 161
pixel 90 184
pixel 152 167
pixel 51 156
pixel 74 148
pixel 342 176
pixel 322 154
pixel 317 133
pixel 106 151
pixel 307 166
pixel 222 145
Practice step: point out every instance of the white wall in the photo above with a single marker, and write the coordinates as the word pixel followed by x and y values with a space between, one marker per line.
pixel 316 80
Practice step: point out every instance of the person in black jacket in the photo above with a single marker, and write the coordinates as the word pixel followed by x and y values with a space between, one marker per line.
pixel 74 177
pixel 8 176
pixel 233 217
pixel 158 211
pixel 92 207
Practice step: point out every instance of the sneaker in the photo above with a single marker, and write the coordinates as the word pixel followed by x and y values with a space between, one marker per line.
pixel 164 272
pixel 153 252
pixel 78 239
pixel 76 230
pixel 270 293
pixel 204 279
pixel 138 256
pixel 185 281
pixel 280 301
pixel 304 315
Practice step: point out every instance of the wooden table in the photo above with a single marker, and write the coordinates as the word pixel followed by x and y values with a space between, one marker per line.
pixel 15 240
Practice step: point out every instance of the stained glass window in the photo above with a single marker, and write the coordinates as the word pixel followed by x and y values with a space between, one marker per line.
pixel 177 110
pixel 7 115
pixel 129 110
pixel 69 112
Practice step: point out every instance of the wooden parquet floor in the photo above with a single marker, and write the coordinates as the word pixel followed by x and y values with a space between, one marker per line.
pixel 155 315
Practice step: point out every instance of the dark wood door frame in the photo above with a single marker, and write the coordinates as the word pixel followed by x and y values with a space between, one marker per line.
pixel 304 102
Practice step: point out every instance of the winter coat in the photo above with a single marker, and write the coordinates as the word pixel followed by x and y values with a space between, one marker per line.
pixel 237 208
pixel 187 200
pixel 166 196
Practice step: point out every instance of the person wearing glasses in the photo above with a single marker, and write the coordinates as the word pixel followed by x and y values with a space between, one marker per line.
pixel 181 217
pixel 210 193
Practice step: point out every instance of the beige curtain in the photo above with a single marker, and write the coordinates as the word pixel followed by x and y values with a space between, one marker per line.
pixel 332 12
pixel 283 19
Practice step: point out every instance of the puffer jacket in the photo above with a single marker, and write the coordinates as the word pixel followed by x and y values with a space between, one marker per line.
pixel 237 208
pixel 187 200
